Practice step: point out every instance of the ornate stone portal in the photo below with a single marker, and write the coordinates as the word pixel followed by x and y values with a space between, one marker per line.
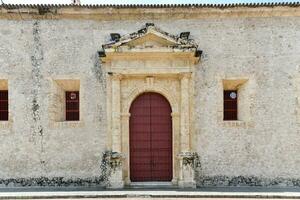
pixel 151 60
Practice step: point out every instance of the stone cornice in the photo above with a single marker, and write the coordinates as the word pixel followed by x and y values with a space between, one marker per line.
pixel 168 40
pixel 134 46
pixel 150 12
pixel 226 5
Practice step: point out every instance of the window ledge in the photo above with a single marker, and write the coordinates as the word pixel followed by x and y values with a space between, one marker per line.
pixel 5 124
pixel 67 124
pixel 237 123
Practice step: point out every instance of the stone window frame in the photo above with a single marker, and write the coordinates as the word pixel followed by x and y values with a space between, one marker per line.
pixel 245 87
pixel 57 120
pixel 4 85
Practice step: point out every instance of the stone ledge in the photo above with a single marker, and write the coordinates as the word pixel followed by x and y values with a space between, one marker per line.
pixel 67 124
pixel 239 124
pixel 103 13
pixel 5 124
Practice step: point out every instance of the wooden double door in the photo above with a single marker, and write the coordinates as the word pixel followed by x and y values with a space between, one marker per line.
pixel 150 138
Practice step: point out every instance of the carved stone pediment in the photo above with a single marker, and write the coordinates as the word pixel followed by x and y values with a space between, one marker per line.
pixel 150 39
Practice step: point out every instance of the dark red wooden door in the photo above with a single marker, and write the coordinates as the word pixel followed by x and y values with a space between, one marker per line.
pixel 150 138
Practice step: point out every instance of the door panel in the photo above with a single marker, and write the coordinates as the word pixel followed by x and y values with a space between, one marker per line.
pixel 150 138
pixel 140 146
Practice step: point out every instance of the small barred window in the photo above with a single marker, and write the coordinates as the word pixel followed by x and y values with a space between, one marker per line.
pixel 230 105
pixel 3 105
pixel 72 106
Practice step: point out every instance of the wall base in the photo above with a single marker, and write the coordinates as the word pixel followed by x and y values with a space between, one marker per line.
pixel 237 181
pixel 116 185
pixel 53 182
pixel 186 184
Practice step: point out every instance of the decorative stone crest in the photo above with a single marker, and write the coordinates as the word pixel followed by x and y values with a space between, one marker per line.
pixel 150 39
pixel 154 34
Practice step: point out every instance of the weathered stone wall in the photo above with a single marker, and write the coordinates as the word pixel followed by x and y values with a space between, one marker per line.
pixel 260 151
pixel 263 151
pixel 33 54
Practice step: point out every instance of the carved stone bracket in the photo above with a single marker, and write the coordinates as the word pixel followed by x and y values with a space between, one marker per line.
pixel 188 163
pixel 116 161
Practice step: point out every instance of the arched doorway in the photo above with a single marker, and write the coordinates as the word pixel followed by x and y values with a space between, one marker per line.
pixel 150 138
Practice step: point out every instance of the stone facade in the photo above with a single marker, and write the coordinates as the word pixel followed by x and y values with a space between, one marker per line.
pixel 252 49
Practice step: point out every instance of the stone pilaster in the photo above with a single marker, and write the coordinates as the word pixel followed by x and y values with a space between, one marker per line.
pixel 176 144
pixel 116 178
pixel 116 113
pixel 186 170
pixel 184 113
pixel 125 147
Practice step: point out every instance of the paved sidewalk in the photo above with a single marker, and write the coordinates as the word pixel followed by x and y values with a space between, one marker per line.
pixel 236 192
pixel 166 198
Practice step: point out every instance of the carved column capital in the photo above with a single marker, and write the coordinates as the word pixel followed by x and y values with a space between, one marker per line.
pixel 116 76
pixel 175 115
pixel 184 75
pixel 150 81
pixel 125 115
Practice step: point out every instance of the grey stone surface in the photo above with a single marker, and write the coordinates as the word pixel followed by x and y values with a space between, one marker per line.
pixel 265 50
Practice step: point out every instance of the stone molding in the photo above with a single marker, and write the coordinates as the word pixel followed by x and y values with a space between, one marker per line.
pixel 161 90
pixel 150 43
pixel 80 13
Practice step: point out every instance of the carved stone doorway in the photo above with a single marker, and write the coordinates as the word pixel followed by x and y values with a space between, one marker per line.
pixel 150 60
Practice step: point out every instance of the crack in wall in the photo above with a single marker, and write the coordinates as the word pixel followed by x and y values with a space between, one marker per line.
pixel 36 62
pixel 99 72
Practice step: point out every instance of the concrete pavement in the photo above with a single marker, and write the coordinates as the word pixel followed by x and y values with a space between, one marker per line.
pixel 143 198
pixel 241 192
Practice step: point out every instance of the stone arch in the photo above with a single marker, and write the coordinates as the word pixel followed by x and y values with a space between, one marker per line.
pixel 139 90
